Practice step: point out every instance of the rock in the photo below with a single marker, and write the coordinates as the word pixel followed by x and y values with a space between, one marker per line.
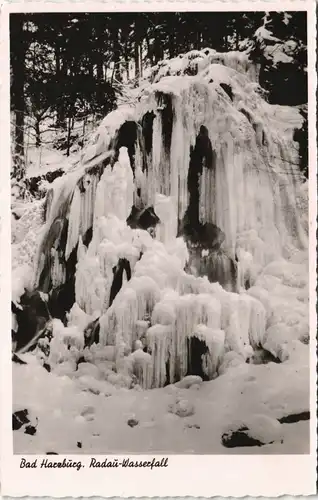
pixel 193 426
pixel 30 429
pixel 118 274
pixel 227 89
pixel 295 417
pixel 91 333
pixel 18 360
pixel 20 418
pixel 182 408
pixel 262 357
pixel 132 422
pixel 33 183
pixel 144 218
pixel 61 299
pixel 239 438
pixel 256 430
pixel 87 410
pixel 189 381
pixel 31 316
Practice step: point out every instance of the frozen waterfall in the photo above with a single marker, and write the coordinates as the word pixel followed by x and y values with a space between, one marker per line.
pixel 164 233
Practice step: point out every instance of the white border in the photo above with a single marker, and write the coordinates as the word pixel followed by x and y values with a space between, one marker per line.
pixel 195 475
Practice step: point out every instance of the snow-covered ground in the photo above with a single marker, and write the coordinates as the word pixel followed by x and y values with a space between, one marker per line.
pixel 82 408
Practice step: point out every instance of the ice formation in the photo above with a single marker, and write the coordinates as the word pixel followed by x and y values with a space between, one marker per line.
pixel 218 166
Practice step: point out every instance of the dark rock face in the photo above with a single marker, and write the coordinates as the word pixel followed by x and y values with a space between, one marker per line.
pixel 295 417
pixel 53 240
pixel 30 429
pixel 132 422
pixel 87 238
pixel 33 183
pixel 239 438
pixel 61 299
pixel 262 356
pixel 147 129
pixel 216 265
pixel 227 89
pixel 122 266
pixel 196 349
pixel 166 110
pixel 127 137
pixel 202 156
pixel 20 418
pixel 301 136
pixel 32 316
pixel 204 240
pixel 91 334
pixel 16 359
pixel 206 236
pixel 144 218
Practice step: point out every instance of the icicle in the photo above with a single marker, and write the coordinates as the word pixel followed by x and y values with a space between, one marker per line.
pixel 158 337
pixel 115 190
pixel 244 322
pixel 142 368
pixel 165 209
pixel 88 202
pixel 191 311
pixel 58 269
pixel 74 223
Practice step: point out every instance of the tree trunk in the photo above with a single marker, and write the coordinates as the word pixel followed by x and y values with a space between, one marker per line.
pixel 127 65
pixel 171 45
pixel 136 50
pixel 62 77
pixel 149 50
pixel 99 69
pixel 17 91
pixel 69 124
pixel 117 52
pixel 37 132
pixel 140 64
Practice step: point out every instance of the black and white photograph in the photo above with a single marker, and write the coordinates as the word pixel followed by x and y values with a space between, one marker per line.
pixel 160 182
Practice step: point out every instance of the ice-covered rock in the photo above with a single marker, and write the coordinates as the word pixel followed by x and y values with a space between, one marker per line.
pixel 182 408
pixel 256 430
pixel 188 382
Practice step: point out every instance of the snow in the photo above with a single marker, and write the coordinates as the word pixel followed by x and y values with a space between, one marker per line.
pixel 258 390
pixel 145 332
pixel 264 34
pixel 42 160
pixel 275 50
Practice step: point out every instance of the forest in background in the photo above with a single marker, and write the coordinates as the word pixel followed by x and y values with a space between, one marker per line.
pixel 73 67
